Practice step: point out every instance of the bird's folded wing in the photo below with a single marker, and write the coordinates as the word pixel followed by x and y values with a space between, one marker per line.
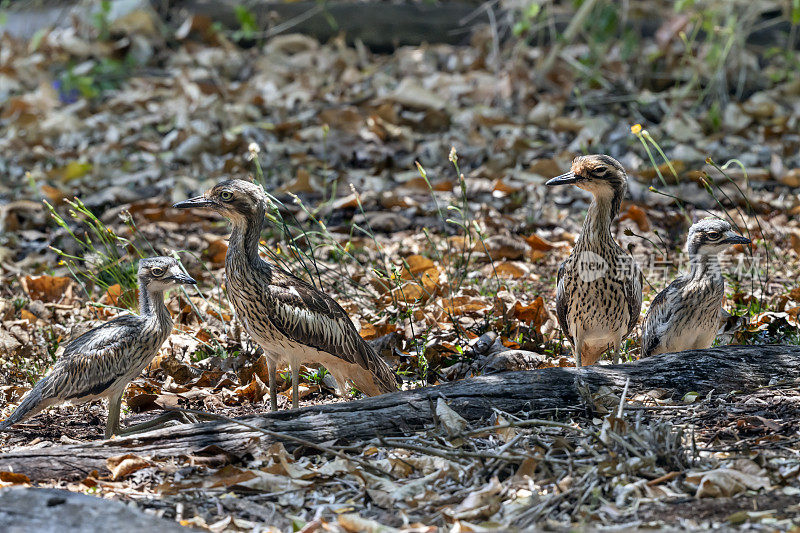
pixel 93 361
pixel 562 301
pixel 309 316
pixel 658 316
pixel 633 295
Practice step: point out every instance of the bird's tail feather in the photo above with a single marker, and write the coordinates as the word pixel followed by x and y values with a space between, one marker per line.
pixel 31 404
pixel 385 379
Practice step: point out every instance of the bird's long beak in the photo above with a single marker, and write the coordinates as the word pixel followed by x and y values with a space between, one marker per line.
pixel 197 201
pixel 183 279
pixel 564 179
pixel 737 239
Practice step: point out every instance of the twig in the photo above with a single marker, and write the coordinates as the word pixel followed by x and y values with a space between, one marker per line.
pixel 284 436
pixel 450 454
pixel 621 406
pixel 666 477
pixel 526 423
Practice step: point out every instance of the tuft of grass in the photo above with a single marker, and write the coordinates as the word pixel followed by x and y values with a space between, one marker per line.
pixel 106 258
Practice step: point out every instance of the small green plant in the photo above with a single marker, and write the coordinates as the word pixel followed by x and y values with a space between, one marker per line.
pixel 4 11
pixel 248 26
pixel 105 260
pixel 527 17
pixel 100 20
pixel 315 376
pixel 19 303
pixel 107 74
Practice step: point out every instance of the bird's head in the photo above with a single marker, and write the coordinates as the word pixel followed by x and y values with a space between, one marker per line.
pixel 711 236
pixel 237 200
pixel 158 274
pixel 601 175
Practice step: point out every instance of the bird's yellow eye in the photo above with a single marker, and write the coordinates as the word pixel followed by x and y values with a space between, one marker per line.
pixel 226 196
pixel 714 235
pixel 157 271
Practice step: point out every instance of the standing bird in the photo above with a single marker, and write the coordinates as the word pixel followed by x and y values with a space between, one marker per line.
pixel 101 362
pixel 291 320
pixel 686 315
pixel 599 295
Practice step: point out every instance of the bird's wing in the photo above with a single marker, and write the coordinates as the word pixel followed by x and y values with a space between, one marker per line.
pixel 658 317
pixel 633 295
pixel 562 301
pixel 93 361
pixel 311 317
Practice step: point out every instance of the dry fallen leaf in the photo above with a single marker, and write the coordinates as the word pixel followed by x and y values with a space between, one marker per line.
pixel 480 504
pixel 124 465
pixel 48 288
pixel 453 423
pixel 637 215
pixel 725 482
pixel 13 478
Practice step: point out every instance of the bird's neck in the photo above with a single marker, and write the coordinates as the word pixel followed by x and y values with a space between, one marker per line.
pixel 245 237
pixel 151 307
pixel 704 266
pixel 602 212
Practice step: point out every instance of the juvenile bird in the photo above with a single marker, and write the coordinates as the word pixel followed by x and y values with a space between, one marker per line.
pixel 599 293
pixel 686 315
pixel 290 319
pixel 101 362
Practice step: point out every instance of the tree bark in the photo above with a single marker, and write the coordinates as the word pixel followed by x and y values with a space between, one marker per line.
pixel 720 370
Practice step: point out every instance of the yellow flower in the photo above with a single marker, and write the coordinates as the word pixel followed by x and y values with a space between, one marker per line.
pixel 636 129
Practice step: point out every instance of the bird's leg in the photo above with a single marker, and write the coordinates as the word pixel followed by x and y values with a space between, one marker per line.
pixel 295 385
pixel 112 423
pixel 578 346
pixel 272 370
pixel 615 356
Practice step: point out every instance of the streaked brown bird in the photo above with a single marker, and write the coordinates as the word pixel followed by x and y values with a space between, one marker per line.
pixel 599 293
pixel 101 362
pixel 290 319
pixel 686 315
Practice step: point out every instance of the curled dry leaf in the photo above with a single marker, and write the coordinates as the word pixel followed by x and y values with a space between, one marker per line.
pixel 124 465
pixel 216 251
pixel 356 524
pixel 13 478
pixel 479 504
pixel 510 270
pixel 48 288
pixel 503 247
pixel 725 482
pixel 534 314
pixel 254 391
pixel 637 215
pixel 416 264
pixel 539 243
pixel 453 423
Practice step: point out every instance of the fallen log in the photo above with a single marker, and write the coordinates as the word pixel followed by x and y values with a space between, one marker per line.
pixel 720 370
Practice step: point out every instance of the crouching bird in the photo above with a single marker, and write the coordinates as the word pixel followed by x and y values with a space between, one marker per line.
pixel 599 293
pixel 686 315
pixel 101 362
pixel 290 319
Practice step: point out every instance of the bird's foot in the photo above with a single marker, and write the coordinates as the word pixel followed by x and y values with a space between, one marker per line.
pixel 159 422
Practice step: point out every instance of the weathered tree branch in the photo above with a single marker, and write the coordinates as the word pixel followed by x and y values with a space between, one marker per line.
pixel 720 370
